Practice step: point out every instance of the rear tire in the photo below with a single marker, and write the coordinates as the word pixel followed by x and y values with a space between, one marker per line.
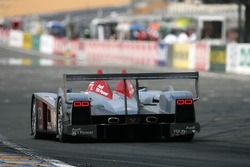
pixel 34 120
pixel 60 126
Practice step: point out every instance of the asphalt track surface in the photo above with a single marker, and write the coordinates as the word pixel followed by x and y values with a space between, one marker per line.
pixel 223 112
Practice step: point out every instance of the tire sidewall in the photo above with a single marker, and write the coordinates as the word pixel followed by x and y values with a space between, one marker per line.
pixel 61 135
pixel 34 131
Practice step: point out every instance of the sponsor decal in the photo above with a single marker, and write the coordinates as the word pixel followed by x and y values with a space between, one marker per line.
pixel 243 59
pixel 179 129
pixel 201 59
pixel 190 127
pixel 27 41
pixel 79 131
pixel 232 57
pixel 162 53
pixel 218 58
pixel 99 89
pixel 181 55
pixel 16 38
pixel 179 132
pixel 91 86
pixel 245 56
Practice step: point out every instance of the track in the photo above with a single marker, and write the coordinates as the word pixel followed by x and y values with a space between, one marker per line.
pixel 223 113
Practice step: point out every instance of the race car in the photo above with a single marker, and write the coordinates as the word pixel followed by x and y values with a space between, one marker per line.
pixel 123 109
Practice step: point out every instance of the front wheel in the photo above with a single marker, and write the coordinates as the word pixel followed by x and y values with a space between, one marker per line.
pixel 62 137
pixel 33 119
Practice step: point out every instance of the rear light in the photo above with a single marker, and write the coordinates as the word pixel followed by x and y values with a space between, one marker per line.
pixel 81 104
pixel 184 111
pixel 81 113
pixel 184 102
pixel 188 101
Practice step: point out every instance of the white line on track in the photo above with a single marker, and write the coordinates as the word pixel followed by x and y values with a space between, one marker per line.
pixel 31 154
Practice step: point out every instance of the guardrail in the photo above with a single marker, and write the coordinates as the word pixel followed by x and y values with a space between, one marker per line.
pixel 199 56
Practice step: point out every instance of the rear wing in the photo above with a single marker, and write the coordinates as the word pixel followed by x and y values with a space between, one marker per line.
pixel 133 76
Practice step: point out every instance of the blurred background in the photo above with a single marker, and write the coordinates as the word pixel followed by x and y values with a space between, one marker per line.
pixel 189 34
pixel 224 20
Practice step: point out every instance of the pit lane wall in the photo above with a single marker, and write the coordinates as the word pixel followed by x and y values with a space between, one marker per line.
pixel 199 56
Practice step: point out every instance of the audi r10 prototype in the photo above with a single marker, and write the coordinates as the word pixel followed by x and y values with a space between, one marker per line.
pixel 123 109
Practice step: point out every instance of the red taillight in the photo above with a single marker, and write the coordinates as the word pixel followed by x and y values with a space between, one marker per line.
pixel 180 102
pixel 85 104
pixel 188 101
pixel 81 104
pixel 184 102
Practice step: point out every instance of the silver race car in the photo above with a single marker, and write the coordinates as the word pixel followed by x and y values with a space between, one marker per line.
pixel 116 106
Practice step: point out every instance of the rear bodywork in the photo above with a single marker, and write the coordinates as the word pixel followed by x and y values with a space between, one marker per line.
pixel 100 113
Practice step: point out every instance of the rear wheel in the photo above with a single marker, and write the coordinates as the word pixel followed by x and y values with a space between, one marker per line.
pixel 62 137
pixel 34 118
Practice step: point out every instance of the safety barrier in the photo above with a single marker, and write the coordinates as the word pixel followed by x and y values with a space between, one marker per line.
pixel 121 52
pixel 16 38
pixel 218 58
pixel 36 42
pixel 238 58
pixel 59 46
pixel 47 44
pixel 4 36
pixel 67 48
pixel 199 56
pixel 181 55
pixel 27 41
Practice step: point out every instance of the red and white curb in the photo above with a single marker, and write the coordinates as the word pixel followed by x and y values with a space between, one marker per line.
pixel 23 157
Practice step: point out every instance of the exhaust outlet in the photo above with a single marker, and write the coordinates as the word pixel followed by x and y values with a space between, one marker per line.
pixel 151 119
pixel 113 120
